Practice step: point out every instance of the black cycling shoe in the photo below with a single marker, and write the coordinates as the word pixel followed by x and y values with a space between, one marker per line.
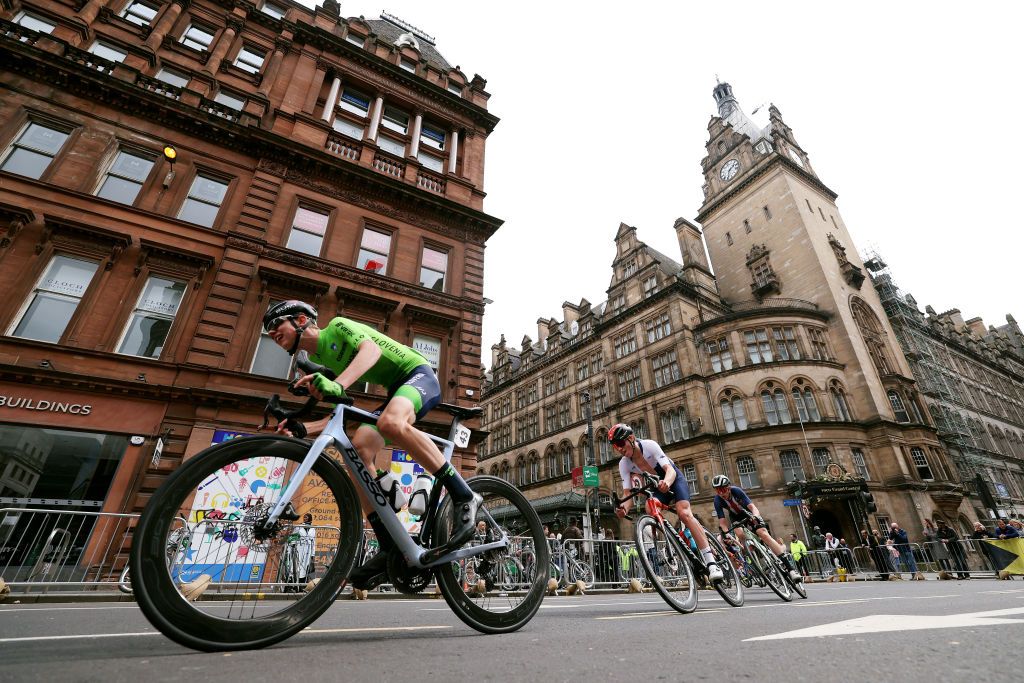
pixel 370 574
pixel 465 520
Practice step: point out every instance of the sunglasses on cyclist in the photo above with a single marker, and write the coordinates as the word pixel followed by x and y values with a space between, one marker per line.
pixel 272 324
pixel 619 443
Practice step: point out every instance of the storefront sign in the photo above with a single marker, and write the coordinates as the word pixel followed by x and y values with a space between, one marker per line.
pixel 429 348
pixel 23 403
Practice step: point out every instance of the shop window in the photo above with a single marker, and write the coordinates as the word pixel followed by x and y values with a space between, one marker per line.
pixel 34 22
pixel 152 318
pixel 55 299
pixel 125 178
pixel 250 59
pixel 197 38
pixel 139 13
pixel 204 199
pixel 433 268
pixel 308 230
pixel 373 251
pixel 35 148
pixel 747 469
pixel 270 359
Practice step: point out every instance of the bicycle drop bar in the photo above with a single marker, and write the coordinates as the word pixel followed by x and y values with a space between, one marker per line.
pixel 650 486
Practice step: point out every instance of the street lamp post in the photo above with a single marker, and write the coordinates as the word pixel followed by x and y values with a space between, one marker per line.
pixel 591 457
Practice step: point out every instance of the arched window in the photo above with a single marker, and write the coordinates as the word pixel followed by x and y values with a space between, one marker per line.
pixel 520 471
pixel 806 405
pixel 840 404
pixel 674 426
pixel 776 410
pixel 504 470
pixel 874 336
pixel 534 468
pixel 640 429
pixel 552 464
pixel 565 453
pixel 734 414
pixel 747 469
pixel 494 470
pixel 604 450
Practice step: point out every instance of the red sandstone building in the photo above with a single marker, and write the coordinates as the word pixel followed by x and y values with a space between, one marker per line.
pixel 336 160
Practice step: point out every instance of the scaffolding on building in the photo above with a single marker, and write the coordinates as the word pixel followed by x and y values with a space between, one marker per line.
pixel 935 376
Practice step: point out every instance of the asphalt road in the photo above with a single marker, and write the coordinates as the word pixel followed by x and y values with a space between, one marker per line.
pixel 899 631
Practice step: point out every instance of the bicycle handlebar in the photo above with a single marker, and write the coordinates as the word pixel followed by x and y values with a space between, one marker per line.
pixel 650 485
pixel 283 415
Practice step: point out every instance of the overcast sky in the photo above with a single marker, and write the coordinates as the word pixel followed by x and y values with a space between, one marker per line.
pixel 909 111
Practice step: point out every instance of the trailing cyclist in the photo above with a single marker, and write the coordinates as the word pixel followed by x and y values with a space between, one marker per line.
pixel 359 353
pixel 645 455
pixel 741 508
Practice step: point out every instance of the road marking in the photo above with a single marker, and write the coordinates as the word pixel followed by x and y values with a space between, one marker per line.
pixel 881 623
pixel 156 633
pixel 644 615
pixel 75 637
pixel 8 610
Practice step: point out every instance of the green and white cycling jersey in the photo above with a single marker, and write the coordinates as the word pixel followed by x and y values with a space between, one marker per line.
pixel 340 340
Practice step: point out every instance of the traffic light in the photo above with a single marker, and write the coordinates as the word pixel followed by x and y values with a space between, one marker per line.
pixel 869 501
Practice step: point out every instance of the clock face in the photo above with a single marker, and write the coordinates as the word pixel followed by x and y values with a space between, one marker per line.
pixel 730 169
pixel 796 157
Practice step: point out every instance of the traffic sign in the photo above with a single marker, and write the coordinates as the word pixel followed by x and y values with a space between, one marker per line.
pixel 791 502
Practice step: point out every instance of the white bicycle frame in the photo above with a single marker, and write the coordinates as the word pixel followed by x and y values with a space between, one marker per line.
pixel 334 435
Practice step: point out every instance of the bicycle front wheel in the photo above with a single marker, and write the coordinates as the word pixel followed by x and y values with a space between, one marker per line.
pixel 729 587
pixel 581 571
pixel 770 570
pixel 487 605
pixel 666 564
pixel 224 552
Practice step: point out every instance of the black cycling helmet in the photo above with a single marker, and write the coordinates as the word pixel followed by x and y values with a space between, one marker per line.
pixel 288 310
pixel 719 481
pixel 620 432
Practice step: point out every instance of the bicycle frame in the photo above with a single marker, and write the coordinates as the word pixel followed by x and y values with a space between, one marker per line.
pixel 334 436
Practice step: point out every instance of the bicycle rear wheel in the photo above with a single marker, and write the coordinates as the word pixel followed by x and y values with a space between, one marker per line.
pixel 225 493
pixel 496 609
pixel 769 569
pixel 581 571
pixel 729 587
pixel 665 562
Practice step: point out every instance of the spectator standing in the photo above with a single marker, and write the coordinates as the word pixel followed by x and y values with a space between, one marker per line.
pixel 936 548
pixel 902 542
pixel 832 547
pixel 894 558
pixel 881 562
pixel 817 539
pixel 955 549
pixel 845 555
pixel 981 534
pixel 799 552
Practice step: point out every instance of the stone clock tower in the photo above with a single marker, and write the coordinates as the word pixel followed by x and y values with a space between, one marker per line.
pixel 774 233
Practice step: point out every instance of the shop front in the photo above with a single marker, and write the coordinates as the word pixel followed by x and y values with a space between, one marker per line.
pixel 68 460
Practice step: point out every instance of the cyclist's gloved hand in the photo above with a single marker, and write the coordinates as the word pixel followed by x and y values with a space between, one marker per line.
pixel 329 389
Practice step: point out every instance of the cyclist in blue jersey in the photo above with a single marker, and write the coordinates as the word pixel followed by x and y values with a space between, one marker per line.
pixel 645 455
pixel 741 508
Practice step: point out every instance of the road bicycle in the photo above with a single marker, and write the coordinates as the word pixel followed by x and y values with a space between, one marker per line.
pixel 748 575
pixel 671 565
pixel 772 570
pixel 567 567
pixel 270 479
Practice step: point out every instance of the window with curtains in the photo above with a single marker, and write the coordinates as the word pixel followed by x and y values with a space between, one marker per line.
pixel 520 471
pixel 534 469
pixel 565 458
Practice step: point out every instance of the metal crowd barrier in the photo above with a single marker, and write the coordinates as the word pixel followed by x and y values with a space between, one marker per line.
pixel 42 549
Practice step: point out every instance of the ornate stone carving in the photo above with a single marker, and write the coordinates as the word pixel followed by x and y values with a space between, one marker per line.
pixel 756 251
pixel 853 275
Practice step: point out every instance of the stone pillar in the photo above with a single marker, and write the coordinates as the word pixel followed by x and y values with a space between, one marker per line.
pixel 223 43
pixel 165 23
pixel 332 100
pixel 281 46
pixel 453 153
pixel 375 114
pixel 417 125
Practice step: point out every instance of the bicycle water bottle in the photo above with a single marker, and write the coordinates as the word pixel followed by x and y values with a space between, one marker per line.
pixel 388 483
pixel 420 494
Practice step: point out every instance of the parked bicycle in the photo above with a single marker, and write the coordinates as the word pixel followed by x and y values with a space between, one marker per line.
pixel 178 543
pixel 304 470
pixel 567 567
pixel 671 565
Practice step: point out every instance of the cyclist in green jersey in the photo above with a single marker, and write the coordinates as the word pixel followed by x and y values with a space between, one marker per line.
pixel 359 353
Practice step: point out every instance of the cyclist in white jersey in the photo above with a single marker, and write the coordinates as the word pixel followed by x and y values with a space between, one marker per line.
pixel 645 455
